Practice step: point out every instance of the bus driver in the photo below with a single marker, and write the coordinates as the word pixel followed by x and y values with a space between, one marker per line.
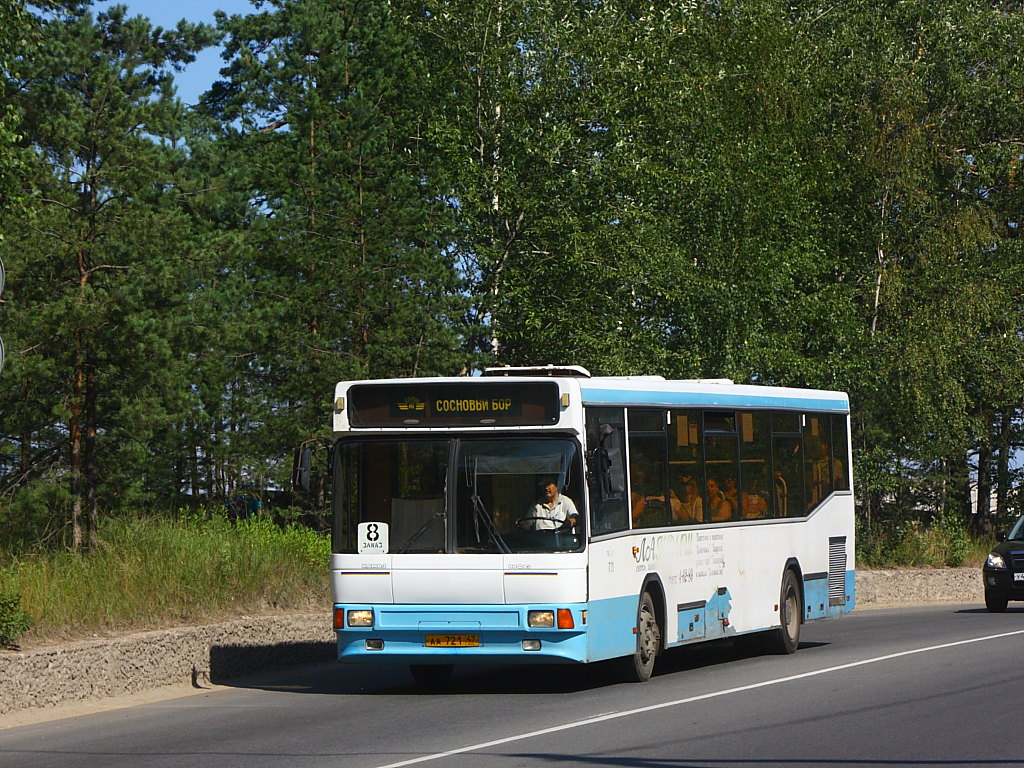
pixel 552 509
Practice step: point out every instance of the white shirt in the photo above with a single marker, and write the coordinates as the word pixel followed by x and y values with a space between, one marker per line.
pixel 553 516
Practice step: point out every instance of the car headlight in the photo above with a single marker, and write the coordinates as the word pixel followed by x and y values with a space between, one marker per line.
pixel 360 618
pixel 995 560
pixel 540 618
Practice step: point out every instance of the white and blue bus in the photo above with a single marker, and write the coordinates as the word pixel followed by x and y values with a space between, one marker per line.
pixel 703 510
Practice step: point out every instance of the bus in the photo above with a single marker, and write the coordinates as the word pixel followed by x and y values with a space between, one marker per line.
pixel 691 510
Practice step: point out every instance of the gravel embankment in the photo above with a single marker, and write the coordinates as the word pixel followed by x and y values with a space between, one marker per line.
pixel 94 669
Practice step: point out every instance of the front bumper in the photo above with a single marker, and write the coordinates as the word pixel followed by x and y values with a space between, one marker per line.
pixel 399 635
pixel 1005 583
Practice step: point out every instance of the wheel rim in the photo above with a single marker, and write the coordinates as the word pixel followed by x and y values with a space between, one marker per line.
pixel 649 638
pixel 791 618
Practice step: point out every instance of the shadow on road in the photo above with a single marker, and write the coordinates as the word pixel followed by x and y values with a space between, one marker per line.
pixel 323 676
pixel 228 662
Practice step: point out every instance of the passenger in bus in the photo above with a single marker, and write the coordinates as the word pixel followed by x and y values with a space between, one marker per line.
pixel 691 506
pixel 720 507
pixel 652 502
pixel 552 510
pixel 781 496
pixel 732 493
pixel 755 505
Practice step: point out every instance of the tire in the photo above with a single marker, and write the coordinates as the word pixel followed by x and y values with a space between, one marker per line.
pixel 431 675
pixel 639 667
pixel 995 602
pixel 786 638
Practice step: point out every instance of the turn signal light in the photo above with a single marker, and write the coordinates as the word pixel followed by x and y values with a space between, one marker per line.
pixel 565 619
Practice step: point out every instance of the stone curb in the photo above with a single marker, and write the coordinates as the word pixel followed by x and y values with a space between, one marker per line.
pixel 95 669
pixel 920 585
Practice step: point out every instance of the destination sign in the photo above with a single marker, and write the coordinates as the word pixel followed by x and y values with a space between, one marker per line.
pixel 481 403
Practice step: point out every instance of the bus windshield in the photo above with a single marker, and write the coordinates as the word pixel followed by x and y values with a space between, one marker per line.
pixel 460 495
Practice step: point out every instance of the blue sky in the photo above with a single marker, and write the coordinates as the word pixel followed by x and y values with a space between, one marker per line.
pixel 197 77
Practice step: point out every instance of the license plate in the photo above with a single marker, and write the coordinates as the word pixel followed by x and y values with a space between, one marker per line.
pixel 1018 576
pixel 452 641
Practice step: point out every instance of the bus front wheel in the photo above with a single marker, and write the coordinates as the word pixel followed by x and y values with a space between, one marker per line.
pixel 640 666
pixel 786 638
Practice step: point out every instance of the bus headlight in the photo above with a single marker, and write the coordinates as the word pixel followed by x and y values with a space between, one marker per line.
pixel 359 618
pixel 995 560
pixel 540 619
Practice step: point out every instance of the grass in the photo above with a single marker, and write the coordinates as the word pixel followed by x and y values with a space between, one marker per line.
pixel 157 572
pixel 911 545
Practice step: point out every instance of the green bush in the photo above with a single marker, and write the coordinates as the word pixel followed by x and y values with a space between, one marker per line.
pixel 159 571
pixel 31 518
pixel 14 621
pixel 949 528
pixel 911 543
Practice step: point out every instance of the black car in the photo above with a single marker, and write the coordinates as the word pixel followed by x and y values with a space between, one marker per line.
pixel 1004 569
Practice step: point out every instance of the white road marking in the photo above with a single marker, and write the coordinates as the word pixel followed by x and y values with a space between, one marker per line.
pixel 691 699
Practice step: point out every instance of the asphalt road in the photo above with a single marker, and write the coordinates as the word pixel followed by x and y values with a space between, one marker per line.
pixel 924 686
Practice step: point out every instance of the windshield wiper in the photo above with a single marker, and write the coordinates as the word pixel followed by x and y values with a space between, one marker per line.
pixel 480 515
pixel 423 529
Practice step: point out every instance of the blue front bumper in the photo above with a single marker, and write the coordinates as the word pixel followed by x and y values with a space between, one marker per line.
pixel 500 630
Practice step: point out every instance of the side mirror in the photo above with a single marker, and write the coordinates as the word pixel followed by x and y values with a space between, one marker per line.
pixel 1001 536
pixel 303 464
pixel 610 462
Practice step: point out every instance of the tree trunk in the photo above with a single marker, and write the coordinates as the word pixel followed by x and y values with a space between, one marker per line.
pixel 89 453
pixel 1005 450
pixel 194 473
pixel 983 490
pixel 75 438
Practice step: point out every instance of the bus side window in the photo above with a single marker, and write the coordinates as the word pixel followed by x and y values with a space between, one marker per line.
pixel 721 461
pixel 787 477
pixel 606 474
pixel 755 462
pixel 686 466
pixel 650 500
pixel 840 455
pixel 817 462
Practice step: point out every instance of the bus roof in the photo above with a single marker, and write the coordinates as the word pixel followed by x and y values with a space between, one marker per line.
pixel 720 393
pixel 655 391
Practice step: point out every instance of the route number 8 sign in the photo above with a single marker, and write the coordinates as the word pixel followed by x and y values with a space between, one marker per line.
pixel 373 538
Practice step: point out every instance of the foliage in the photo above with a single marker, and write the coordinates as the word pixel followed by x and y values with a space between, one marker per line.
pixel 14 622
pixel 93 290
pixel 18 35
pixel 798 194
pixel 913 544
pixel 159 571
pixel 950 529
pixel 340 269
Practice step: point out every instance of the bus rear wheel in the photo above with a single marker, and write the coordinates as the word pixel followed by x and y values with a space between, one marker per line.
pixel 639 667
pixel 431 675
pixel 786 638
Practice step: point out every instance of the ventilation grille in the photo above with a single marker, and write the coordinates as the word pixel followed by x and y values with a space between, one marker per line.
pixel 837 570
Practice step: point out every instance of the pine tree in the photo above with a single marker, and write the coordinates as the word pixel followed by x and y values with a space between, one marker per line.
pixel 97 276
pixel 346 257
